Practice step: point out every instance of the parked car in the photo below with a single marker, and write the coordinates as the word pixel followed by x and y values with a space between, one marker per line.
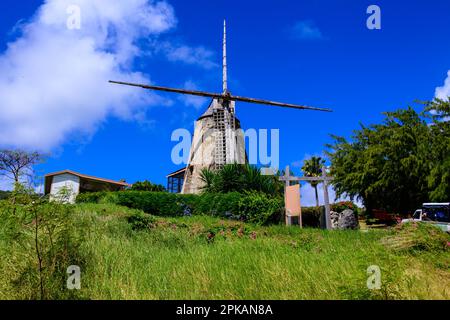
pixel 435 213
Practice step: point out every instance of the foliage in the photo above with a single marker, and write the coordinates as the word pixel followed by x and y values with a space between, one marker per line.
pixel 256 207
pixel 147 186
pixel 240 178
pixel 201 257
pixel 90 197
pixel 253 206
pixel 38 244
pixel 313 168
pixel 141 221
pixel 219 205
pixel 439 146
pixel 343 205
pixel 311 216
pixel 4 194
pixel 386 165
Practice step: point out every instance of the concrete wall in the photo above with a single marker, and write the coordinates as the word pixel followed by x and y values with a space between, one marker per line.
pixel 69 181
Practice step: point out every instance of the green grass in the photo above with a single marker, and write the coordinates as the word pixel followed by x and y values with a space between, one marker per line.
pixel 179 258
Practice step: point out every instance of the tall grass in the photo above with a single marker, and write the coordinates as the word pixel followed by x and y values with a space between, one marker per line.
pixel 175 260
pixel 207 258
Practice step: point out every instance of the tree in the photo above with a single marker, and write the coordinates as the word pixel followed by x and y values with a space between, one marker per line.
pixel 439 178
pixel 147 186
pixel 386 165
pixel 313 168
pixel 16 164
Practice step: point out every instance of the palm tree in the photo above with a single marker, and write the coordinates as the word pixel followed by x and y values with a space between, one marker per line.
pixel 313 168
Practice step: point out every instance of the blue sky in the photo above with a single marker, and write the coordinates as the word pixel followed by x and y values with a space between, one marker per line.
pixel 317 53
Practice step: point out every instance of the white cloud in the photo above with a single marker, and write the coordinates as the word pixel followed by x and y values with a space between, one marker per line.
pixel 444 91
pixel 54 80
pixel 5 184
pixel 308 196
pixel 199 56
pixel 306 30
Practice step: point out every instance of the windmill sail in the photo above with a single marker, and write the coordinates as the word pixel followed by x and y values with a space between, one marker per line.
pixel 222 96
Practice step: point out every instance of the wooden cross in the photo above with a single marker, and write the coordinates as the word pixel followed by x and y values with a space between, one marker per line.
pixel 287 178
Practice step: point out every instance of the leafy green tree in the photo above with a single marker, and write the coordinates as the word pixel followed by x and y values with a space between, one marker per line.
pixel 439 177
pixel 386 165
pixel 147 186
pixel 313 168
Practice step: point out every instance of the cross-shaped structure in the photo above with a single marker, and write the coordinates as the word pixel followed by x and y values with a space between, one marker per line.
pixel 287 178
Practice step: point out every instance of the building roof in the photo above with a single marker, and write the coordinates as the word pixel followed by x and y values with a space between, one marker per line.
pixel 175 173
pixel 82 176
pixel 208 112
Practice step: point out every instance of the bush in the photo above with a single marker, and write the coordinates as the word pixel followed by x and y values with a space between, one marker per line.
pixel 258 208
pixel 310 216
pixel 90 197
pixel 38 242
pixel 219 205
pixel 343 205
pixel 156 203
pixel 141 221
pixel 253 207
pixel 4 194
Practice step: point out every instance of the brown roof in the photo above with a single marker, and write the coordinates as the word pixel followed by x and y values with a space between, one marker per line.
pixel 88 177
pixel 176 172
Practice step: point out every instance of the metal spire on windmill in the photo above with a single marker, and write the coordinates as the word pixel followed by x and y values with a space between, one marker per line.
pixel 216 139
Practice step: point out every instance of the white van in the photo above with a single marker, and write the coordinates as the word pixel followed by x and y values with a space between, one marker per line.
pixel 435 213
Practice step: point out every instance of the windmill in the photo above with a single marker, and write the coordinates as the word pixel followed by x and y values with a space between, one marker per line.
pixel 217 139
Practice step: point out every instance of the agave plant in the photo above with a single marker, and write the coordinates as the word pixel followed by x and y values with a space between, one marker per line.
pixel 239 178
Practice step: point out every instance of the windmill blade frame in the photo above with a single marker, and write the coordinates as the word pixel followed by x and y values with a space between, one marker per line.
pixel 277 104
pixel 221 96
pixel 174 90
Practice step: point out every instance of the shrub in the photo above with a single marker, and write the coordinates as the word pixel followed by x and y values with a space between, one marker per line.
pixel 156 203
pixel 258 208
pixel 343 205
pixel 219 204
pixel 90 197
pixel 310 216
pixel 141 221
pixel 46 242
pixel 4 194
pixel 253 207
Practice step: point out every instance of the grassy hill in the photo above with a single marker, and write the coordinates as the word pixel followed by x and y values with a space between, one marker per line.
pixel 125 254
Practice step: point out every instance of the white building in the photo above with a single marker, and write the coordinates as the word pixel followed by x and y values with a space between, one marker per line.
pixel 66 185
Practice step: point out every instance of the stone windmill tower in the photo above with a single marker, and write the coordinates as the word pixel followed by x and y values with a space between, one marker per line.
pixel 217 138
